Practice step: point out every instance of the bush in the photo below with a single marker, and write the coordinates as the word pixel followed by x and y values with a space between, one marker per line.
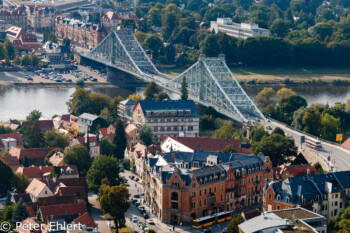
pixel 288 81
pixel 80 82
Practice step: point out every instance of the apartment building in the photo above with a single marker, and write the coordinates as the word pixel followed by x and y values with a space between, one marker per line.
pixel 16 17
pixel 325 194
pixel 40 18
pixel 168 117
pixel 242 30
pixel 178 193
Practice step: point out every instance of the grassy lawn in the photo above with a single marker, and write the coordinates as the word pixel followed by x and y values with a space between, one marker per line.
pixel 280 74
pixel 126 230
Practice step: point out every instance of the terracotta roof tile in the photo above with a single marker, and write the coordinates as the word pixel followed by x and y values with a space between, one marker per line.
pixel 11 160
pixel 346 144
pixel 12 135
pixel 86 220
pixel 65 209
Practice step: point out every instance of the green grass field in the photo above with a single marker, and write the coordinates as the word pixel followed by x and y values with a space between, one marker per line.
pixel 279 74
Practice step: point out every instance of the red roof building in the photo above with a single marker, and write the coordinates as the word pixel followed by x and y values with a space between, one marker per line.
pixel 12 161
pixel 70 171
pixel 346 144
pixel 50 213
pixel 86 220
pixel 45 125
pixel 36 156
pixel 283 172
pixel 198 143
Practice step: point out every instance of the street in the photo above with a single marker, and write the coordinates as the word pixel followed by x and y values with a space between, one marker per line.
pixel 340 157
pixel 136 188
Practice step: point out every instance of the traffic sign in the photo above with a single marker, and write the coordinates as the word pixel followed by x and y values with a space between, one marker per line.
pixel 339 138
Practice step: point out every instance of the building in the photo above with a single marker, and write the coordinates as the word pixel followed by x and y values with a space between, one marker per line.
pixel 85 35
pixel 12 161
pixel 10 140
pixel 16 17
pixel 41 172
pixel 242 30
pixel 86 122
pixel 325 194
pixel 40 18
pixel 36 156
pixel 93 144
pixel 190 144
pixel 44 125
pixel 37 189
pixel 125 109
pixel 110 20
pixel 13 124
pixel 56 56
pixel 289 220
pixel 133 134
pixel 168 117
pixel 67 212
pixel 21 40
pixel 57 159
pixel 283 172
pixel 180 194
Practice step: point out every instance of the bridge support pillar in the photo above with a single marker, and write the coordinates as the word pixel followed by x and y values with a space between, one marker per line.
pixel 246 129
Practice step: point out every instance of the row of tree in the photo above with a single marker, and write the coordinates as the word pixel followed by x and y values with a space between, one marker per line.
pixel 320 120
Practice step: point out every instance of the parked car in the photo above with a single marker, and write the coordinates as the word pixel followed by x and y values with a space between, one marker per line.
pixel 206 231
pixel 288 135
pixel 136 196
pixel 140 224
pixel 131 177
pixel 150 221
pixel 133 200
pixel 224 230
pixel 145 229
pixel 30 79
pixel 134 219
pixel 269 127
pixel 137 204
pixel 145 216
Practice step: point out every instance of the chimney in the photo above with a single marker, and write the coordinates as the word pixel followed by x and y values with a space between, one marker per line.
pixel 40 167
pixel 173 157
pixel 308 171
pixel 54 179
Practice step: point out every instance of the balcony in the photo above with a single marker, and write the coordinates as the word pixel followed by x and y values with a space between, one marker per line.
pixel 173 210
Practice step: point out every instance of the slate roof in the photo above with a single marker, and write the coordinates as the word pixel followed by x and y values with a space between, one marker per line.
pixel 309 187
pixel 167 106
pixel 128 102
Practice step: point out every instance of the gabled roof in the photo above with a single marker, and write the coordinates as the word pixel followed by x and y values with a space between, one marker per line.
pixel 346 144
pixel 86 220
pixel 11 160
pixel 127 102
pixel 32 153
pixel 179 107
pixel 64 209
pixel 82 141
pixel 56 200
pixel 36 187
pixel 44 125
pixel 78 191
pixel 88 116
pixel 34 172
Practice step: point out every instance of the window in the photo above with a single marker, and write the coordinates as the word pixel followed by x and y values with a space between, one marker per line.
pixel 200 202
pixel 193 205
pixel 278 207
pixel 193 194
pixel 222 187
pixel 200 192
pixel 278 197
pixel 214 189
pixel 270 196
pixel 205 201
pixel 190 128
pixel 174 200
pixel 287 200
pixel 205 191
pixel 221 197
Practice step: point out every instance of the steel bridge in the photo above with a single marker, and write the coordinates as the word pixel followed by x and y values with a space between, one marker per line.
pixel 210 82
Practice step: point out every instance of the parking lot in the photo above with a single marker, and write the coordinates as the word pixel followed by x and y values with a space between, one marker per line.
pixel 84 73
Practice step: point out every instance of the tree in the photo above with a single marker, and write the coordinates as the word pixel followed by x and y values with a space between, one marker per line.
pixel 184 89
pixel 151 231
pixel 265 97
pixel 79 102
pixel 154 43
pixel 39 216
pixel 154 17
pixel 20 212
pixel 113 107
pixel 330 126
pixel 25 61
pixel 6 175
pixel 140 36
pixel 11 52
pixel 277 147
pixel 298 118
pixel 233 225
pixel 107 116
pixel 284 93
pixel 119 140
pixel 287 106
pixel 55 172
pixel 34 60
pixel 135 97
pixel 54 138
pixel 162 96
pixel 279 28
pixel 146 135
pixel 226 131
pixel 3 52
pixel 20 182
pixel 258 132
pixel 209 46
pixel 229 149
pixel 318 168
pixel 36 138
pixel 26 161
pixel 169 23
pixel 17 60
pixel 34 115
pixel 312 121
pixel 115 202
pixel 107 148
pixel 78 155
pixel 103 167
pixel 66 41
pixel 278 130
pixel 342 221
pixel 151 91
pixel 7 212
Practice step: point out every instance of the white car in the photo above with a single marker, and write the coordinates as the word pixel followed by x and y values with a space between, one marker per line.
pixel 134 219
pixel 288 135
pixel 150 221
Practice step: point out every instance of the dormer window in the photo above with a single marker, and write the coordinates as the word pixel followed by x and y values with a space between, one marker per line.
pixel 278 197
pixel 287 200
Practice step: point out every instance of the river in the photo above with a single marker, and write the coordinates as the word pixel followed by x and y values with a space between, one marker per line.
pixel 17 102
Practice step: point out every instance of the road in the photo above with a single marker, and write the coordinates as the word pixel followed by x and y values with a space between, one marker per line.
pixel 340 157
pixel 97 215
pixel 159 226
